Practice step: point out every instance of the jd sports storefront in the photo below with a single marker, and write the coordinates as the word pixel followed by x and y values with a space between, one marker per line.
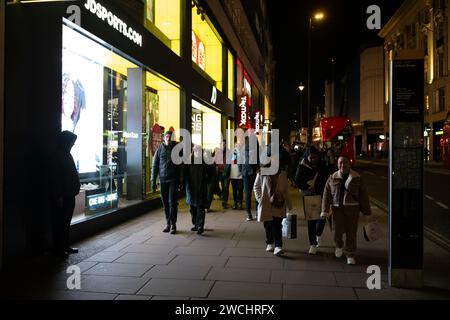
pixel 113 84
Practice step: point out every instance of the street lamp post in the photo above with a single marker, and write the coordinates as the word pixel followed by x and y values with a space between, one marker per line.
pixel 318 16
pixel 301 87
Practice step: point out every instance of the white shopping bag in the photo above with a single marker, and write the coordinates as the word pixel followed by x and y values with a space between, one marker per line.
pixel 372 231
pixel 289 226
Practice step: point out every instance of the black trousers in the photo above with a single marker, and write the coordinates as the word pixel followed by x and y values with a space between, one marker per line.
pixel 315 228
pixel 169 198
pixel 237 186
pixel 225 186
pixel 273 231
pixel 198 216
pixel 212 187
pixel 62 216
pixel 249 181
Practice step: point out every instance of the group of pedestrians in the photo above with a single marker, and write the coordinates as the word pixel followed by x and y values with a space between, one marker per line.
pixel 201 179
pixel 327 194
pixel 334 195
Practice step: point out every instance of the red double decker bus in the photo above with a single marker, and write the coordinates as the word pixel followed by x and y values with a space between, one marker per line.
pixel 445 142
pixel 335 137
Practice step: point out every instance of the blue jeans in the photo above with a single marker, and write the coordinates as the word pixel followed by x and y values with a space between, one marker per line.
pixel 315 228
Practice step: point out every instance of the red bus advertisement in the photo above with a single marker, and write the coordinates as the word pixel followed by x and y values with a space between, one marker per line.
pixel 336 137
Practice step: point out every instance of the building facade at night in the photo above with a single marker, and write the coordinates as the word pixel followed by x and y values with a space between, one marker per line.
pixel 118 74
pixel 423 26
pixel 371 104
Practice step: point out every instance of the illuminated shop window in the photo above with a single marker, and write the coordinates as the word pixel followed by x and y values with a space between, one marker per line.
pixel 206 125
pixel 95 92
pixel 162 18
pixel 94 107
pixel 206 47
pixel 161 113
pixel 231 88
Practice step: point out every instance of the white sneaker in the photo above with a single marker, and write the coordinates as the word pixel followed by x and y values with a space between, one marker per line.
pixel 319 241
pixel 278 251
pixel 351 261
pixel 338 252
pixel 270 247
pixel 312 249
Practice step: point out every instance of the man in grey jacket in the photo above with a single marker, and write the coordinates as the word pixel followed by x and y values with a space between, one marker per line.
pixel 169 178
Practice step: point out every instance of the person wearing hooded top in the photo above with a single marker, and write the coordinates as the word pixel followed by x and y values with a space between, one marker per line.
pixel 310 179
pixel 169 178
pixel 197 174
pixel 66 187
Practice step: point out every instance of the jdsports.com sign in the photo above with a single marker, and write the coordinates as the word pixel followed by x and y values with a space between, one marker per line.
pixel 115 22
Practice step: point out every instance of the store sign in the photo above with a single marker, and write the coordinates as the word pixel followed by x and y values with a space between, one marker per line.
pixel 130 135
pixel 258 121
pixel 198 51
pixel 243 111
pixel 197 122
pixel 214 95
pixel 115 22
pixel 101 201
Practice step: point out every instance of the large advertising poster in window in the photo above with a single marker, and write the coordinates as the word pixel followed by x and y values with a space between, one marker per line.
pixel 82 98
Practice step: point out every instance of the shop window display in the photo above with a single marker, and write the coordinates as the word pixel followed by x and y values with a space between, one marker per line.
pixel 94 104
pixel 161 112
pixel 207 47
pixel 206 126
pixel 95 90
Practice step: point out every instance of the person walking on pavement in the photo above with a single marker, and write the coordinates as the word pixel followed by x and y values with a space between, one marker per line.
pixel 310 178
pixel 248 171
pixel 213 183
pixel 221 158
pixel 272 194
pixel 169 178
pixel 197 175
pixel 66 184
pixel 346 193
pixel 236 179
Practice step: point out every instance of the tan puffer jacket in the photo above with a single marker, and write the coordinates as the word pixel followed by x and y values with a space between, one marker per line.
pixel 355 193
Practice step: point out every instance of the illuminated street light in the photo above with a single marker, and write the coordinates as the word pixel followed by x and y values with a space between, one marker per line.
pixel 301 87
pixel 317 17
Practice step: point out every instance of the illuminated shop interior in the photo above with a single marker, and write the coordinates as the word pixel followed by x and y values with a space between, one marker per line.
pixel 206 47
pixel 206 126
pixel 163 19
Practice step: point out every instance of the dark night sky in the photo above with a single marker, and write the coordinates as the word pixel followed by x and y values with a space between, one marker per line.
pixel 340 36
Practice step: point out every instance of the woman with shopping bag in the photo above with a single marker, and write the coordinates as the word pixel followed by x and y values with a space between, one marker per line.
pixel 310 178
pixel 346 193
pixel 272 194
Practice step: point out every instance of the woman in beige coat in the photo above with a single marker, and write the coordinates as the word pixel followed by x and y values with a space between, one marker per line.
pixel 272 214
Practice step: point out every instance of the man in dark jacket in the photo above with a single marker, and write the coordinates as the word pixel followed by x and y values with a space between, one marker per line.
pixel 248 171
pixel 169 178
pixel 196 177
pixel 66 187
